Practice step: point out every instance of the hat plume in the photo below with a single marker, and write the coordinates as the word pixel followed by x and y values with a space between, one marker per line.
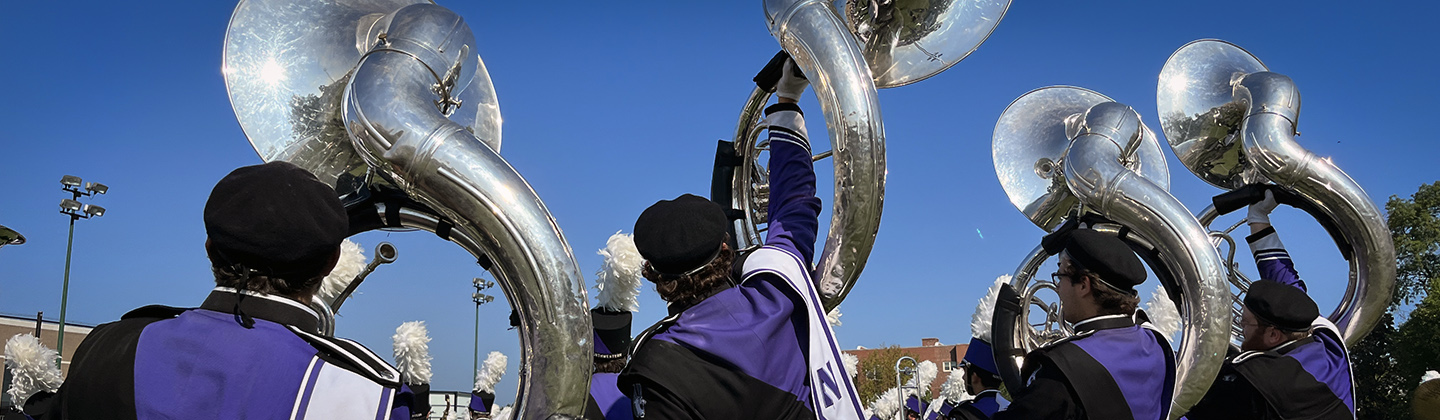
pixel 412 352
pixel 618 281
pixel 33 365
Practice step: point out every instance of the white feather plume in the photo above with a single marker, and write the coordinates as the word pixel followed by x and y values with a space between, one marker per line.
pixel 33 365
pixel 352 262
pixel 926 373
pixel 833 317
pixel 887 405
pixel 980 322
pixel 1429 375
pixel 490 372
pixel 852 363
pixel 462 414
pixel 1162 313
pixel 412 352
pixel 618 281
pixel 502 413
pixel 953 389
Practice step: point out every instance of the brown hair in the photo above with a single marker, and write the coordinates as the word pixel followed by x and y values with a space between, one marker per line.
pixel 687 290
pixel 239 277
pixel 610 365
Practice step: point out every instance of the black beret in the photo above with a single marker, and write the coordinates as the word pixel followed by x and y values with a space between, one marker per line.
pixel 419 401
pixel 612 333
pixel 1284 306
pixel 275 218
pixel 680 235
pixel 1107 256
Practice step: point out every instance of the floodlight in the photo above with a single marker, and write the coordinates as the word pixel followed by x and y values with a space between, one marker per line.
pixel 94 210
pixel 9 236
pixel 96 188
pixel 68 205
pixel 70 181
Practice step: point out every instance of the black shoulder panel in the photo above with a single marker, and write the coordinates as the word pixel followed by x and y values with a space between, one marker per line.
pixel 677 383
pixel 353 357
pixel 1099 394
pixel 1289 389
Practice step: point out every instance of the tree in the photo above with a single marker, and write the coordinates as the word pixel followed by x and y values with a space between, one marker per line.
pixel 877 372
pixel 1388 362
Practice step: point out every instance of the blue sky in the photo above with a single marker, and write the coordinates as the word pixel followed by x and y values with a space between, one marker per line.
pixel 608 109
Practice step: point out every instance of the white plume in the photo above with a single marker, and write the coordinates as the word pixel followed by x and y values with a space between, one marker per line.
pixel 926 375
pixel 491 372
pixel 618 280
pixel 980 322
pixel 1162 313
pixel 33 365
pixel 1429 375
pixel 867 413
pixel 352 262
pixel 887 405
pixel 462 414
pixel 412 352
pixel 852 363
pixel 501 413
pixel 833 317
pixel 953 389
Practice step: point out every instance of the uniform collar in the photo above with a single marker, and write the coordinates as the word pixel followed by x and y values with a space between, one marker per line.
pixel 1104 322
pixel 1287 346
pixel 268 307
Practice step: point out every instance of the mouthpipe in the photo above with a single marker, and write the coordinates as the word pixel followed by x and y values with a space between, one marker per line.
pixel 391 114
pixel 1098 179
pixel 817 39
pixel 385 253
pixel 1268 136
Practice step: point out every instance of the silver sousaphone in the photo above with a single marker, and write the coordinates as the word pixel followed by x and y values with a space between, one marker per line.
pixel 388 101
pixel 879 43
pixel 1067 154
pixel 1232 122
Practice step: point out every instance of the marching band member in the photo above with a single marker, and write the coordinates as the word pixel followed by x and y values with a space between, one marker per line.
pixel 253 348
pixel 412 359
pixel 746 337
pixel 1111 368
pixel 982 378
pixel 482 397
pixel 618 283
pixel 1294 363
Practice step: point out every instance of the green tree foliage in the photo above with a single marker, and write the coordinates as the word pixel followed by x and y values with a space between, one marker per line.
pixel 1388 362
pixel 877 372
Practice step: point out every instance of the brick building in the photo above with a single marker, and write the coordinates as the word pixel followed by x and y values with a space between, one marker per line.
pixel 945 356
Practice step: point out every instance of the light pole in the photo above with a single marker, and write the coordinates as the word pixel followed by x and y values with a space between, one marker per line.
pixel 72 207
pixel 479 299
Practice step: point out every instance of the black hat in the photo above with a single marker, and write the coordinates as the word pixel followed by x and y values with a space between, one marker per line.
pixel 612 333
pixel 680 235
pixel 1286 307
pixel 480 401
pixel 1106 256
pixel 277 219
pixel 420 401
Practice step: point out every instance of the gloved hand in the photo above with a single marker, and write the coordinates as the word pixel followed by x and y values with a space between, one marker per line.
pixel 792 83
pixel 1260 211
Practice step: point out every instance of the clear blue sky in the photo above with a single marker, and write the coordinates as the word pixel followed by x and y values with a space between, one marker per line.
pixel 608 109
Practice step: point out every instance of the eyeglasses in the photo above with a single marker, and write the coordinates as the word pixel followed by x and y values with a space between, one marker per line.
pixel 1055 277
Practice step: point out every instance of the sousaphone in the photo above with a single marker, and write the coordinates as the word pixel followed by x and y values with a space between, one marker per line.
pixel 1069 158
pixel 1234 124
pixel 879 44
pixel 388 101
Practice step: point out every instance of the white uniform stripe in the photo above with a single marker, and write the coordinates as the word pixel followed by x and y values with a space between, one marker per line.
pixel 300 395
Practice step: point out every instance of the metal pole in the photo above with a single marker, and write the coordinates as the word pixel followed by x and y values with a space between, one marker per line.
pixel 475 359
pixel 64 297
pixel 39 323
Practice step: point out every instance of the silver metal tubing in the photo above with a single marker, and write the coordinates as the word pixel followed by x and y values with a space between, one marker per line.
pixel 819 41
pixel 497 216
pixel 1096 176
pixel 1268 133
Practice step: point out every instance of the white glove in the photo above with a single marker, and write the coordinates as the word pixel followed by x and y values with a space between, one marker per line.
pixel 791 86
pixel 1260 211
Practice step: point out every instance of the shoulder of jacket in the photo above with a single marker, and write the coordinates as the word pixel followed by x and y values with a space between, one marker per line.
pixel 352 356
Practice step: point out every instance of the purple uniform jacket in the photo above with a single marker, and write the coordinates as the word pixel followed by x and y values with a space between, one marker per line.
pixel 746 352
pixel 612 404
pixel 170 363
